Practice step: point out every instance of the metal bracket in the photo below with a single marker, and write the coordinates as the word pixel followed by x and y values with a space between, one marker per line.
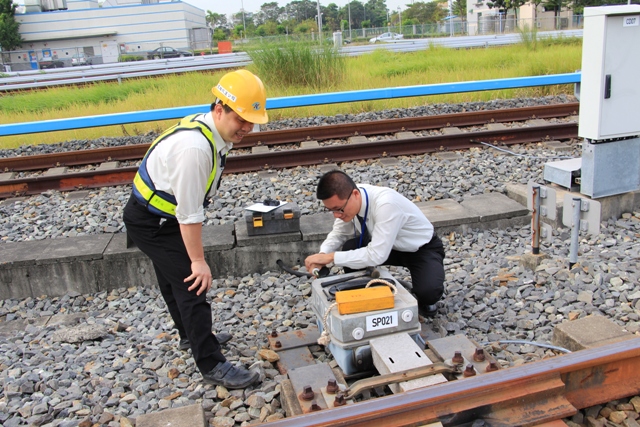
pixel 547 200
pixel 590 211
pixel 546 232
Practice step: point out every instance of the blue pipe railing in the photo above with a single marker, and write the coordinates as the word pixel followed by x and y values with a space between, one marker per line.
pixel 290 102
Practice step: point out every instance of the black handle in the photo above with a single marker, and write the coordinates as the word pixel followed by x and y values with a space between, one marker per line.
pixel 607 86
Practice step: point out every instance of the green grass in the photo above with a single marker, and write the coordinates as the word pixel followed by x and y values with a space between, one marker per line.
pixel 380 69
pixel 299 64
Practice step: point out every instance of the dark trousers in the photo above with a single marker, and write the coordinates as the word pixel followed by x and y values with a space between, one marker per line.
pixel 191 313
pixel 425 265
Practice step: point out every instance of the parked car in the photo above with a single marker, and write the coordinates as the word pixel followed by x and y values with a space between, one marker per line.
pixel 167 52
pixel 386 37
pixel 80 59
pixel 50 63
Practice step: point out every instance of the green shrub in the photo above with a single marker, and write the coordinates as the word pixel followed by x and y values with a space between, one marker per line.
pixel 296 64
pixel 131 58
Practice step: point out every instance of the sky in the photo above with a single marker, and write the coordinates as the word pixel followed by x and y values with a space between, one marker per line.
pixel 228 7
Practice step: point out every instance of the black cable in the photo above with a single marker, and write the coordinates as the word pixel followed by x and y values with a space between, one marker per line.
pixel 292 271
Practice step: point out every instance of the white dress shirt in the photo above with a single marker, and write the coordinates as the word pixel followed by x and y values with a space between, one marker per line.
pixel 181 165
pixel 393 221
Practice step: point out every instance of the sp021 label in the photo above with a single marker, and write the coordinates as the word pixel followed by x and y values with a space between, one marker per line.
pixel 382 321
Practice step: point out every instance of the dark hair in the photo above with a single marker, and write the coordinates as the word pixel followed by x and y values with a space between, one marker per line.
pixel 227 109
pixel 335 183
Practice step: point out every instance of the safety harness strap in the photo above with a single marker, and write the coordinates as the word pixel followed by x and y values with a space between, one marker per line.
pixel 160 202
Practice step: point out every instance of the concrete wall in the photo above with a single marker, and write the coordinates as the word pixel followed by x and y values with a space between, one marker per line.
pixel 89 264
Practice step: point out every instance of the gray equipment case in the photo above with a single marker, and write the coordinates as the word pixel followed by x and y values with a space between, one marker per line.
pixel 284 219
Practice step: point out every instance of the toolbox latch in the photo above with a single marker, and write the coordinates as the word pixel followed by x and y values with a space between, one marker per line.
pixel 257 220
pixel 288 214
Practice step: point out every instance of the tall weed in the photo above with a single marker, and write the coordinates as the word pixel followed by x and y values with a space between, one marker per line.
pixel 528 36
pixel 299 64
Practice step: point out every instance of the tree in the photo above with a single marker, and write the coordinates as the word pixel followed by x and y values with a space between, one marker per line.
pixel 330 17
pixel 10 37
pixel 269 12
pixel 301 10
pixel 424 13
pixel 376 13
pixel 216 19
pixel 460 9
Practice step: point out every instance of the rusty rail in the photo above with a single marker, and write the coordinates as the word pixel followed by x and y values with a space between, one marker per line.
pixel 300 157
pixel 288 136
pixel 526 395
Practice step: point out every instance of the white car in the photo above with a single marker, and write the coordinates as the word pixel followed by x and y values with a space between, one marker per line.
pixel 80 59
pixel 387 37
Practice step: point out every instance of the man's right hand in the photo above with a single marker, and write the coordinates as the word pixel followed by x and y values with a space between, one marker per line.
pixel 201 276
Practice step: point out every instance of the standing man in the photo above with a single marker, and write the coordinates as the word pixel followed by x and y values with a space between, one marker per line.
pixel 164 215
pixel 378 226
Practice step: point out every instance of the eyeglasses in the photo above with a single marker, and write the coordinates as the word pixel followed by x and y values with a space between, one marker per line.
pixel 341 210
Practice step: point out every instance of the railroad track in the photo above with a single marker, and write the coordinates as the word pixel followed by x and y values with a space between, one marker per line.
pixel 283 155
pixel 535 394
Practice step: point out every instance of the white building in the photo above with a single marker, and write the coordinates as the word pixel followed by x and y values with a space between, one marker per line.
pixel 59 29
pixel 484 20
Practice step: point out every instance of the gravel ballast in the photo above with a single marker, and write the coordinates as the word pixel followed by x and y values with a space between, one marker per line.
pixel 108 358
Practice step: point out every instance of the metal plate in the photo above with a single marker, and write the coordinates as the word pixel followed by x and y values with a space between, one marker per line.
pixel 293 339
pixel 589 213
pixel 446 347
pixel 316 376
pixel 547 200
pixel 294 358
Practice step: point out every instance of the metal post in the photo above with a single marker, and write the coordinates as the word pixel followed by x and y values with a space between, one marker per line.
pixel 319 23
pixel 575 230
pixel 450 18
pixel 535 221
pixel 244 24
pixel 350 37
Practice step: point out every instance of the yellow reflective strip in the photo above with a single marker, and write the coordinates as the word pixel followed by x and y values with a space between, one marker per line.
pixel 187 123
pixel 144 190
pixel 163 205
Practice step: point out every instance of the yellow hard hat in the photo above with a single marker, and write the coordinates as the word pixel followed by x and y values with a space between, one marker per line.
pixel 244 92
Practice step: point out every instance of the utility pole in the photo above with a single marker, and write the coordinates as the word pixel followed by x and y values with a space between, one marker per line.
pixel 244 24
pixel 451 18
pixel 319 22
pixel 349 4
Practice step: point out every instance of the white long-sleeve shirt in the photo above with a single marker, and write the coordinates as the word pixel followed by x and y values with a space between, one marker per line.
pixel 393 221
pixel 181 165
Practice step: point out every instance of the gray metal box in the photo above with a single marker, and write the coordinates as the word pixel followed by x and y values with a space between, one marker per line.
pixel 564 173
pixel 356 329
pixel 350 333
pixel 610 168
pixel 283 219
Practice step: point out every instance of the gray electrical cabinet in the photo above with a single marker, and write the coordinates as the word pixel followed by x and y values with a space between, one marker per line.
pixel 609 89
pixel 610 101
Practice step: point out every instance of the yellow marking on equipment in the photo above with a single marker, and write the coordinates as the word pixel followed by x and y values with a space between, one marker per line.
pixel 367 299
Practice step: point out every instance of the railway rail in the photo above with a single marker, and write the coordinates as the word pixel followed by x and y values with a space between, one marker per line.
pixel 529 395
pixel 328 153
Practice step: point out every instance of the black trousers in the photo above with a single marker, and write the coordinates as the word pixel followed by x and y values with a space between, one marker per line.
pixel 425 265
pixel 162 242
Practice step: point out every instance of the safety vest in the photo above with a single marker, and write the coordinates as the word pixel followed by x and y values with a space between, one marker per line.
pixel 159 202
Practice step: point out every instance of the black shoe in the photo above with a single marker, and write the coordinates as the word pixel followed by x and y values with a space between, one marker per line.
pixel 223 338
pixel 428 310
pixel 227 375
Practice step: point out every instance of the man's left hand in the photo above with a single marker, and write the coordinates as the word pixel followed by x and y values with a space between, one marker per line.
pixel 318 261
